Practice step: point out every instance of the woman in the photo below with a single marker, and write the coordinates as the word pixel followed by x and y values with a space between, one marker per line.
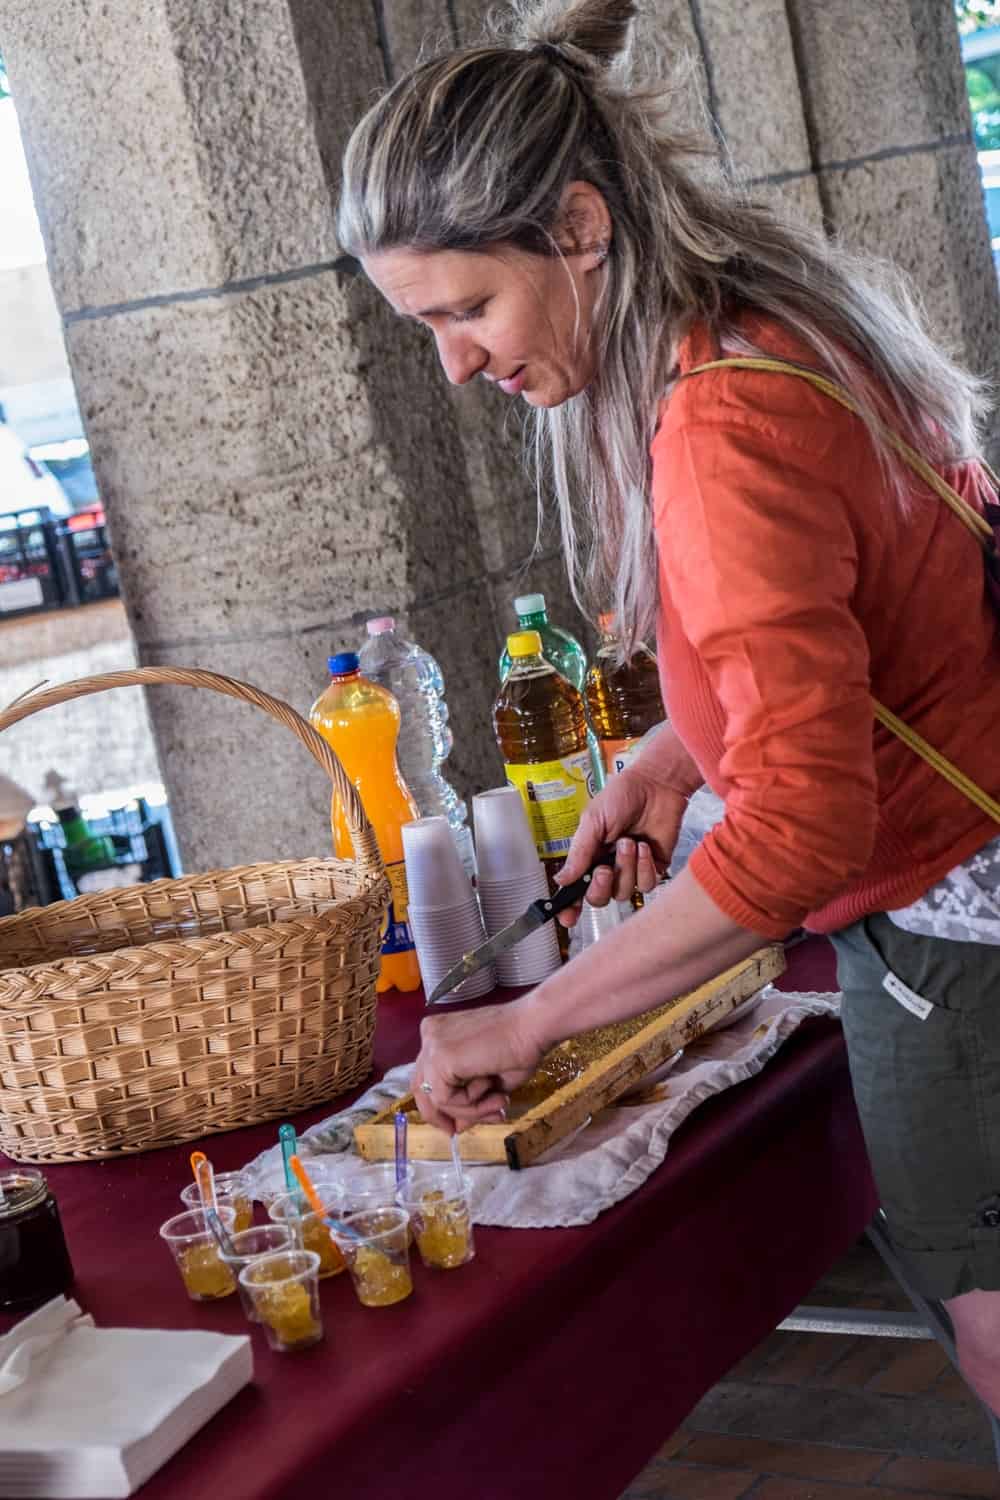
pixel 528 205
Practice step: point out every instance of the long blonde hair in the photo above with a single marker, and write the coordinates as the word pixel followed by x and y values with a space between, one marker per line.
pixel 474 148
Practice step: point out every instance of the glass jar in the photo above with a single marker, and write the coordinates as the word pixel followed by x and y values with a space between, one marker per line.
pixel 34 1260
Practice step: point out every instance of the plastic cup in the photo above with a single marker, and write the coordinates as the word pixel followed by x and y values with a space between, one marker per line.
pixel 251 1244
pixel 231 1191
pixel 442 937
pixel 528 886
pixel 284 1292
pixel 379 1258
pixel 505 845
pixel 438 1205
pixel 452 924
pixel 595 922
pixel 271 1184
pixel 435 876
pixel 535 957
pixel 371 1185
pixel 196 1255
pixel 316 1235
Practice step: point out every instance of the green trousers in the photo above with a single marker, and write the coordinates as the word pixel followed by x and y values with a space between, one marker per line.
pixel 921 1017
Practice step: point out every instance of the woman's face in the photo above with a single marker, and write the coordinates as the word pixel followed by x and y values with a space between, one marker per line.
pixel 519 320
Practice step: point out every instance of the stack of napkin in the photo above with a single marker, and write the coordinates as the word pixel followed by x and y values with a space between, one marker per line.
pixel 88 1411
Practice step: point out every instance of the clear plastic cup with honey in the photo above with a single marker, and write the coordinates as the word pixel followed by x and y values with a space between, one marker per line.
pixel 377 1253
pixel 284 1292
pixel 231 1191
pixel 309 1232
pixel 205 1275
pixel 437 1201
pixel 253 1244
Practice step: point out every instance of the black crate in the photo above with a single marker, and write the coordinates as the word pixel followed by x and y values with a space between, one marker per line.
pixel 139 834
pixel 34 573
pixel 87 548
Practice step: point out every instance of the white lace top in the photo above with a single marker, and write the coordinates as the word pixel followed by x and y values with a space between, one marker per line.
pixel 964 906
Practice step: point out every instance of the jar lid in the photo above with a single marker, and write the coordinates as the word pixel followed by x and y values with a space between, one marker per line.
pixel 20 1188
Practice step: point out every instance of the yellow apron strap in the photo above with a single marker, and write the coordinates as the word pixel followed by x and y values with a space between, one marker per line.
pixel 945 768
pixel 969 517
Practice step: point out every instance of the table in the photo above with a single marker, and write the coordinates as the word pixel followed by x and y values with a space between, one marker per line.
pixel 561 1359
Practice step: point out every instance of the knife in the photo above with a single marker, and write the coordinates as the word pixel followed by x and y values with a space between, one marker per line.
pixel 536 916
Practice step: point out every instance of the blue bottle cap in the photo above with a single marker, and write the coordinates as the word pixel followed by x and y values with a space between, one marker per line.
pixel 342 663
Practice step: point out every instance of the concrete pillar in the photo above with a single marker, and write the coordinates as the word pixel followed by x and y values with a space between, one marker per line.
pixel 888 119
pixel 276 452
pixel 858 115
pixel 753 97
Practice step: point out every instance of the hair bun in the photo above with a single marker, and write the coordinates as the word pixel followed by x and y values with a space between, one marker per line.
pixel 597 28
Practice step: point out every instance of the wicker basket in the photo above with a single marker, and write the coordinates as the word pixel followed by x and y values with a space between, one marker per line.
pixel 156 1014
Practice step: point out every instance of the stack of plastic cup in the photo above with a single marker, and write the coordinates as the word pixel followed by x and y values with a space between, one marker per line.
pixel 444 913
pixel 595 922
pixel 511 876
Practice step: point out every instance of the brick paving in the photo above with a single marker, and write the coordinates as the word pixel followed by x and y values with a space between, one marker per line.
pixel 832 1417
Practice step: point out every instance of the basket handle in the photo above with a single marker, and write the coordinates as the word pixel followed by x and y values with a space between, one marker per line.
pixel 366 850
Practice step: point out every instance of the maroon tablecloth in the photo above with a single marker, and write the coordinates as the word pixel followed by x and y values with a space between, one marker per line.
pixel 556 1363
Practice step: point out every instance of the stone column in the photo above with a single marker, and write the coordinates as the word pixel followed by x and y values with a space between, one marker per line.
pixel 858 114
pixel 276 452
pixel 490 429
pixel 888 119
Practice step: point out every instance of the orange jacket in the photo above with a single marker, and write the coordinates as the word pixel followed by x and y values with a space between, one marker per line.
pixel 793 585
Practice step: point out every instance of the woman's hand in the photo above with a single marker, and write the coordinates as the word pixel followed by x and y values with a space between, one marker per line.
pixel 645 802
pixel 470 1062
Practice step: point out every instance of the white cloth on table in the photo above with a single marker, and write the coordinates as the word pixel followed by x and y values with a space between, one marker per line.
pixel 613 1156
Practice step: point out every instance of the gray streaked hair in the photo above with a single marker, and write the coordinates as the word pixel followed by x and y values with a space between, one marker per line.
pixel 474 149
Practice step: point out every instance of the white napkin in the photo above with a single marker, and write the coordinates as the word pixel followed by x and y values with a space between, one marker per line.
pixel 32 1337
pixel 91 1411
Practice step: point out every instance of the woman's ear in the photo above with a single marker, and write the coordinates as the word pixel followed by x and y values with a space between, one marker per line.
pixel 584 224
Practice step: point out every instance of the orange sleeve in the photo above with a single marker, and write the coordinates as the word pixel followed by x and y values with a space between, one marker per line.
pixel 758 553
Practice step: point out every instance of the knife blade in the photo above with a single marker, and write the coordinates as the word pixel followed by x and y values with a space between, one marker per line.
pixel 545 909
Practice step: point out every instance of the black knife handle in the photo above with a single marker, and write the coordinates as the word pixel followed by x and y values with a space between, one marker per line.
pixel 548 907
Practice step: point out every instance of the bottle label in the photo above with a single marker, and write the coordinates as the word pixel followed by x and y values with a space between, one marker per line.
pixel 554 793
pixel 617 754
pixel 397 937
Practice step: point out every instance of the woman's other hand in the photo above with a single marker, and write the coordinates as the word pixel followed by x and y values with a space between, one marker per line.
pixel 470 1061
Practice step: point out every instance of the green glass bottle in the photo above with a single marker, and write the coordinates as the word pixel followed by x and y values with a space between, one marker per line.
pixel 85 851
pixel 560 649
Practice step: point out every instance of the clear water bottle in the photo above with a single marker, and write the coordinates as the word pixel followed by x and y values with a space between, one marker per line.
pixel 414 679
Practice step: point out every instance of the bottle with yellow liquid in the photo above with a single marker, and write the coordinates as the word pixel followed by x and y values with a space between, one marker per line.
pixel 541 729
pixel 361 721
pixel 623 702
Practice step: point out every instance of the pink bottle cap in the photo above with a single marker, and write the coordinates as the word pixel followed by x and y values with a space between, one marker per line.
pixel 381 625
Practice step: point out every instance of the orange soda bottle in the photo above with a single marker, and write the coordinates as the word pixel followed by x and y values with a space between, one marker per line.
pixel 361 721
